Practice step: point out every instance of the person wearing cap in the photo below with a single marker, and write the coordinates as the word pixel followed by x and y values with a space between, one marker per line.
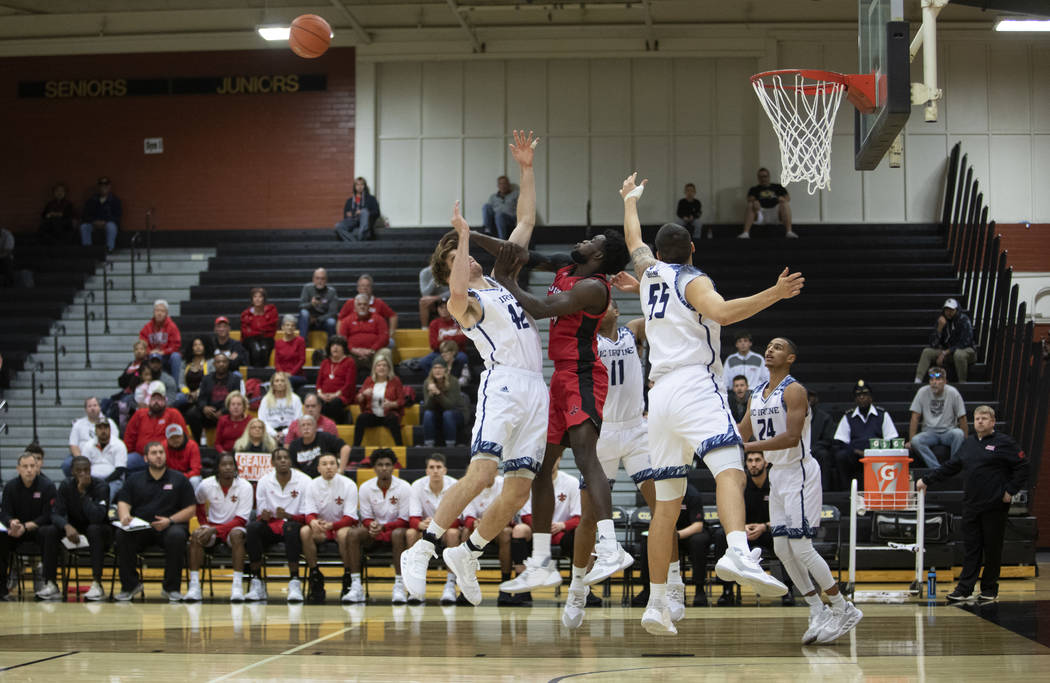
pixel 865 421
pixel 444 328
pixel 107 455
pixel 102 212
pixel 84 429
pixel 156 368
pixel 162 335
pixel 951 339
pixel 258 327
pixel 211 401
pixel 942 413
pixel 222 341
pixel 148 424
pixel 183 454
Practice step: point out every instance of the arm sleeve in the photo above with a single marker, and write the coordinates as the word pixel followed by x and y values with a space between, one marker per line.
pixel 305 296
pixel 365 507
pixel 396 524
pixel 49 494
pixel 245 502
pixel 96 503
pixel 1018 466
pixel 195 459
pixel 382 334
pixel 946 470
pixel 572 522
pixel 7 507
pixel 174 337
pixel 842 433
pixel 434 342
pixel 350 504
pixel 347 310
pixel 344 521
pixel 231 525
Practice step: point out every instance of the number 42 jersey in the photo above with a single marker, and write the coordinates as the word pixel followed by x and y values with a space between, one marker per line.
pixel 505 335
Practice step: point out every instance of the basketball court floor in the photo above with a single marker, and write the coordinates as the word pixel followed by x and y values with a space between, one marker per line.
pixel 1009 640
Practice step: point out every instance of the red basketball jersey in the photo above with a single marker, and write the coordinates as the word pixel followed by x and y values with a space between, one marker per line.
pixel 574 338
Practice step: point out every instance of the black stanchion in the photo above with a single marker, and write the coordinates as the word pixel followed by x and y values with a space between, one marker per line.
pixel 59 329
pixel 87 330
pixel 35 367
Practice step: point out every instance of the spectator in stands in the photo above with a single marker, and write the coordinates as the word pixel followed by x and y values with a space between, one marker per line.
pixel 26 513
pixel 430 292
pixel 162 336
pixel 366 286
pixel 289 354
pixel 360 214
pixel 280 497
pixel 739 398
pixel 142 391
pixel 365 332
pixel 57 224
pixel 222 341
pixel 513 540
pixel 443 407
pixel 84 429
pixel 183 454
pixel 500 213
pixel 444 328
pixel 385 502
pixel 331 515
pixel 994 470
pixel 37 452
pixel 426 495
pixel 311 444
pixel 942 412
pixel 866 421
pixel 457 367
pixel 224 504
pixel 311 407
pixel 689 212
pixel 767 202
pixel 232 423
pixel 951 339
pixel 257 438
pixel 318 304
pixel 215 387
pixel 336 380
pixel 258 326
pixel 164 499
pixel 744 362
pixel 120 406
pixel 102 212
pixel 822 440
pixel 82 509
pixel 194 368
pixel 156 367
pixel 694 540
pixel 381 399
pixel 7 258
pixel 107 455
pixel 280 406
pixel 148 424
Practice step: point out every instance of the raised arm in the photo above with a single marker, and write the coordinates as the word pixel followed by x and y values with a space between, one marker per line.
pixel 459 304
pixel 522 150
pixel 641 255
pixel 588 295
pixel 701 295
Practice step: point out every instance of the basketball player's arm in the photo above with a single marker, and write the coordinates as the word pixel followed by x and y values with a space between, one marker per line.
pixel 460 305
pixel 744 426
pixel 637 328
pixel 522 151
pixel 701 295
pixel 641 254
pixel 797 405
pixel 587 295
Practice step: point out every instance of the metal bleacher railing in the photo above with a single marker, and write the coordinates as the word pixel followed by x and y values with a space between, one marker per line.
pixel 1005 339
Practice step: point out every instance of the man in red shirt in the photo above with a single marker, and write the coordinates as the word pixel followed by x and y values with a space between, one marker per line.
pixel 162 336
pixel 366 332
pixel 149 424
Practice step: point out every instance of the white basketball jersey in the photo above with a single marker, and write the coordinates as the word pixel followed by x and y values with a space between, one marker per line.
pixel 504 334
pixel 678 336
pixel 624 400
pixel 769 418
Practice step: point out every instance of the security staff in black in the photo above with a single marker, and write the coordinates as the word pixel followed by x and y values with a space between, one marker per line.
pixel 26 513
pixel 82 509
pixel 994 470
pixel 164 499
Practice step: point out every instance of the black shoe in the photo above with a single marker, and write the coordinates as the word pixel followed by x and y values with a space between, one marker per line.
pixel 641 600
pixel 700 599
pixel 958 596
pixel 788 599
pixel 593 600
pixel 726 599
pixel 985 598
pixel 502 600
pixel 347 582
pixel 461 601
pixel 315 587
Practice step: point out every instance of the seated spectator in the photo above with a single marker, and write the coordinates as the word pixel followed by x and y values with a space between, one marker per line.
pixel 500 214
pixel 564 521
pixel 162 336
pixel 142 391
pixel 430 292
pixel 331 515
pixel 336 380
pixel 513 540
pixel 426 495
pixel 280 406
pixel 318 304
pixel 767 204
pixel 82 509
pixel 453 357
pixel 57 224
pixel 689 212
pixel 443 407
pixel 224 504
pixel 739 398
pixel 381 399
pixel 183 454
pixel 822 440
pixel 384 502
pixel 222 341
pixel 941 410
pixel 163 498
pixel 149 424
pixel 257 438
pixel 37 452
pixel 84 430
pixel 258 326
pixel 744 362
pixel 951 339
pixel 444 328
pixel 366 286
pixel 102 212
pixel 360 214
pixel 211 401
pixel 171 387
pixel 365 332
pixel 856 427
pixel 311 444
pixel 694 541
pixel 289 354
pixel 311 407
pixel 26 513
pixel 194 369
pixel 232 423
pixel 122 404
pixel 107 455
pixel 280 498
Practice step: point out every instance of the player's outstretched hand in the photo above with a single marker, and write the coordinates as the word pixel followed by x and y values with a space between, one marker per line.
pixel 625 282
pixel 522 149
pixel 458 222
pixel 789 285
pixel 509 261
pixel 630 185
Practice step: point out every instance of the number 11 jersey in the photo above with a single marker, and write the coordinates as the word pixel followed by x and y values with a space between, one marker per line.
pixel 505 335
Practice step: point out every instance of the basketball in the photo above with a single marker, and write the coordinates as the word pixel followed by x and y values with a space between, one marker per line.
pixel 309 36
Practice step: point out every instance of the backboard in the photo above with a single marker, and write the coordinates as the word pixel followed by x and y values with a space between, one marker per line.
pixel 883 42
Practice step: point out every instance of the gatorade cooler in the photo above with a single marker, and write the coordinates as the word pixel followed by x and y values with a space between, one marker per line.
pixel 886 479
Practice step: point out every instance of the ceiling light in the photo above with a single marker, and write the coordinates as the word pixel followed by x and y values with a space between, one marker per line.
pixel 1022 25
pixel 273 31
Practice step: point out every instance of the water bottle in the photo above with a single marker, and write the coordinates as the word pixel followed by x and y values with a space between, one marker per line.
pixel 931 583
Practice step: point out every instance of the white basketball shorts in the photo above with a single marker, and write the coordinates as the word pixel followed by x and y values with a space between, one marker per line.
pixel 627 443
pixel 795 499
pixel 511 421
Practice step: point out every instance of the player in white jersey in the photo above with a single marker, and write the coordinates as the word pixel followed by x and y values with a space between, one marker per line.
pixel 779 420
pixel 511 422
pixel 427 492
pixel 331 515
pixel 688 415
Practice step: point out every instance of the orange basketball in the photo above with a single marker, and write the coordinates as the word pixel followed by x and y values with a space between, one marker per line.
pixel 309 36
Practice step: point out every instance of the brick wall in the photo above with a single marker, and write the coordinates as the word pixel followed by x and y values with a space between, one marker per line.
pixel 229 162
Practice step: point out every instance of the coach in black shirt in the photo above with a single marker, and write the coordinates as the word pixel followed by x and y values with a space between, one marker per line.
pixel 26 512
pixel 163 498
pixel 994 469
pixel 82 508
pixel 312 444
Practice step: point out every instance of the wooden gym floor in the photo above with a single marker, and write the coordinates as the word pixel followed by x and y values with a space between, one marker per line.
pixel 156 641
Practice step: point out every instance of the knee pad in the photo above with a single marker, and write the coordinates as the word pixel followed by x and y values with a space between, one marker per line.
pixel 725 458
pixel 670 489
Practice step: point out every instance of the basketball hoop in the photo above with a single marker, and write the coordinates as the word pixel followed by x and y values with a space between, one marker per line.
pixel 802 104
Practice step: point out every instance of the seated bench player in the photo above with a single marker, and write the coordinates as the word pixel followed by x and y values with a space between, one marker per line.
pixel 426 494
pixel 513 539
pixel 331 515
pixel 385 501
pixel 82 508
pixel 280 498
pixel 228 500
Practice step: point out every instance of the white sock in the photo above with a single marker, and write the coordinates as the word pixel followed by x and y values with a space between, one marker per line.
pixel 478 542
pixel 658 594
pixel 195 577
pixel 577 577
pixel 451 578
pixel 838 603
pixel 433 528
pixel 355 579
pixel 606 531
pixel 816 605
pixel 674 573
pixel 397 580
pixel 738 540
pixel 541 546
pixel 238 577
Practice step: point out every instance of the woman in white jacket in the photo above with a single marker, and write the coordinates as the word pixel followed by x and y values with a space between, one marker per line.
pixel 281 406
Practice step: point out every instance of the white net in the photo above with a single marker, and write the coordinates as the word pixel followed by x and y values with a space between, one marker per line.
pixel 802 111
